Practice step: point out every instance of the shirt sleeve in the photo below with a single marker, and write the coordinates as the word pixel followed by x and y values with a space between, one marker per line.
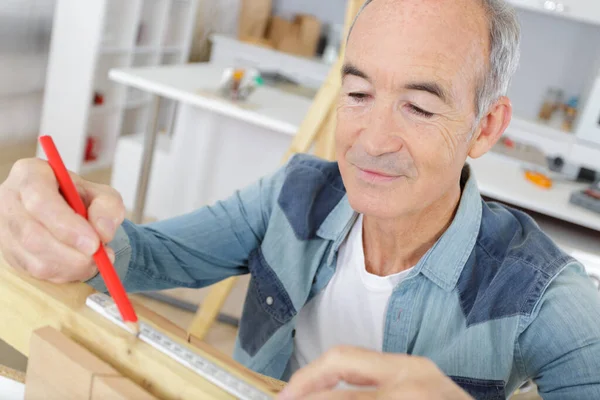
pixel 560 348
pixel 197 249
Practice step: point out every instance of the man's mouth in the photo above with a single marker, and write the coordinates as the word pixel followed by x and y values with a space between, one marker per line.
pixel 374 176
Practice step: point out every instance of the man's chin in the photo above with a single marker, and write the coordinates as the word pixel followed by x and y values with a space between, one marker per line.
pixel 380 206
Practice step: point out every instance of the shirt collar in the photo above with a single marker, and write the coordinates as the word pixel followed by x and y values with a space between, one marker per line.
pixel 443 263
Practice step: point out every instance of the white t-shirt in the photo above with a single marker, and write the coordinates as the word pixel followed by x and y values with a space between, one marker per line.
pixel 350 310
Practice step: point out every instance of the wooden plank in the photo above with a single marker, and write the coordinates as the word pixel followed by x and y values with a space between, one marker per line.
pixel 117 388
pixel 60 369
pixel 319 109
pixel 28 304
pixel 326 97
pixel 325 145
pixel 210 308
pixel 12 374
pixel 254 18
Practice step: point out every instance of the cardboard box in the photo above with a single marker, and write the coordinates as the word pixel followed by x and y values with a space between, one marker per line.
pixel 254 18
pixel 300 37
pixel 278 29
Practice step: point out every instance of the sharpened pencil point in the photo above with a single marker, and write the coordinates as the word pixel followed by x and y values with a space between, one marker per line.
pixel 133 327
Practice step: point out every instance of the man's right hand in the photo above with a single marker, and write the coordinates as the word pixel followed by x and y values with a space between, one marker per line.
pixel 41 234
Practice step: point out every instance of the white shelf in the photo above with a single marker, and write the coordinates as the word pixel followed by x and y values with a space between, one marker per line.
pixel 144 49
pixel 538 128
pixel 172 49
pixel 502 178
pixel 140 50
pixel 126 50
pixel 117 34
pixel 163 141
pixel 91 166
pixel 135 103
pixel 103 109
pixel 115 50
pixel 551 141
pixel 171 59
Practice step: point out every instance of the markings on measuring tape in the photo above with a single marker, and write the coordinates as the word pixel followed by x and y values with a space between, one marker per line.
pixel 212 372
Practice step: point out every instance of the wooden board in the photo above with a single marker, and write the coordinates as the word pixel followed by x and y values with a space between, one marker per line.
pixel 317 114
pixel 278 28
pixel 60 369
pixel 11 374
pixel 28 304
pixel 207 314
pixel 325 144
pixel 301 36
pixel 117 388
pixel 254 18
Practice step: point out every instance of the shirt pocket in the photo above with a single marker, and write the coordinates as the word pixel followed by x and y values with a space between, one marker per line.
pixel 267 308
pixel 481 389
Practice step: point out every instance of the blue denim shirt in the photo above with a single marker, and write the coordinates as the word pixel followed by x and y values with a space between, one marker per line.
pixel 493 303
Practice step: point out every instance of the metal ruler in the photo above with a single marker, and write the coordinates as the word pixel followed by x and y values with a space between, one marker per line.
pixel 210 371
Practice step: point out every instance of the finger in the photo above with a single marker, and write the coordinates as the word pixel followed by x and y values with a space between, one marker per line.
pixel 12 261
pixel 106 211
pixel 94 270
pixel 353 365
pixel 343 395
pixel 42 255
pixel 45 204
pixel 51 267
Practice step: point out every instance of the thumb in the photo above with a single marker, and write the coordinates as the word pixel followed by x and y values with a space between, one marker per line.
pixel 106 210
pixel 352 365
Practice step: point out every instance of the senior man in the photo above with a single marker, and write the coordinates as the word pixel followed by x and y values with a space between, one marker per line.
pixel 391 249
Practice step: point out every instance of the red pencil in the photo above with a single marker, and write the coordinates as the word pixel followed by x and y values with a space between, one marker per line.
pixel 107 270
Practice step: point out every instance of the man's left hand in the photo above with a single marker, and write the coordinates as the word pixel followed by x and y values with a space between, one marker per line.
pixel 392 376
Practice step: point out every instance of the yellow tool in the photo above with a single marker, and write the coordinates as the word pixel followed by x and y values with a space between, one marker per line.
pixel 538 179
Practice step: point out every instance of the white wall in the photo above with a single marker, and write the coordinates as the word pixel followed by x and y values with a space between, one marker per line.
pixel 328 11
pixel 25 29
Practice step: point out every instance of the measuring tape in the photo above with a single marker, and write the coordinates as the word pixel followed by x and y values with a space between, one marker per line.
pixel 210 371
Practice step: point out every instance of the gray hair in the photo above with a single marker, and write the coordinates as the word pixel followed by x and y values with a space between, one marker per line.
pixel 505 38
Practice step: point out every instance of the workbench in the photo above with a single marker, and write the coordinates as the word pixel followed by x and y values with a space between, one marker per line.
pixel 68 342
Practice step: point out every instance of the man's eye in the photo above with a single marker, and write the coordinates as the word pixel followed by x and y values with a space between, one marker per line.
pixel 419 111
pixel 358 97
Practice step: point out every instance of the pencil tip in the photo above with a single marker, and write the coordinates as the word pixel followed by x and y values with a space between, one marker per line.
pixel 133 327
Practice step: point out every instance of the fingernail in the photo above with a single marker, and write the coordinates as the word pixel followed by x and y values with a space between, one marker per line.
pixel 87 245
pixel 106 227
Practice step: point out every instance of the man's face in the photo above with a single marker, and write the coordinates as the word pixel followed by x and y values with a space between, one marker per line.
pixel 407 107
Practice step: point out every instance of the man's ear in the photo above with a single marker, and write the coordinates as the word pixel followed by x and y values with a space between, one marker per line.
pixel 491 127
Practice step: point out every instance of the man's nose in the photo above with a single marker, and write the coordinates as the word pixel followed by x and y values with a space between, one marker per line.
pixel 382 134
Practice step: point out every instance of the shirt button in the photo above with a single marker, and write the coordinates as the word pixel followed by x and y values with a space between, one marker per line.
pixel 269 301
pixel 294 333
